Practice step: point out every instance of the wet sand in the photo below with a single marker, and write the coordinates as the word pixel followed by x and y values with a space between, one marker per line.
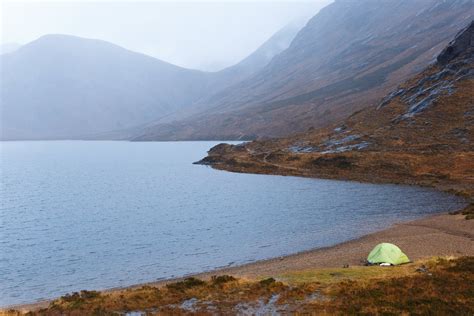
pixel 439 235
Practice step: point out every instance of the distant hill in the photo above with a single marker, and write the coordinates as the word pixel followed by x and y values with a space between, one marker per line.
pixel 9 48
pixel 280 41
pixel 66 87
pixel 232 75
pixel 422 132
pixel 346 57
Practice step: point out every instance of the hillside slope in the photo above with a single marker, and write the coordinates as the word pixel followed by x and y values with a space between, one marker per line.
pixel 420 133
pixel 347 56
pixel 258 59
pixel 234 74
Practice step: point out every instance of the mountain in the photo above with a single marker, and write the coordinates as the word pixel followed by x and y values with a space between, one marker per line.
pixel 420 133
pixel 345 58
pixel 9 48
pixel 66 87
pixel 232 75
pixel 262 55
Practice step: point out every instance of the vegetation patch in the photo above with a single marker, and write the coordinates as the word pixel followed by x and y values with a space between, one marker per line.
pixel 185 284
pixel 338 162
pixel 331 275
pixel 267 282
pixel 447 290
pixel 221 279
pixel 444 285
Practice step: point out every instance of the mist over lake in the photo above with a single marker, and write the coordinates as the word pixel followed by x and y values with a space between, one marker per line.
pixel 91 215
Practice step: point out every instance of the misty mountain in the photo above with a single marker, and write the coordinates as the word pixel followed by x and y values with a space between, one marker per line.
pixel 61 86
pixel 9 48
pixel 232 75
pixel 346 57
pixel 262 56
pixel 64 86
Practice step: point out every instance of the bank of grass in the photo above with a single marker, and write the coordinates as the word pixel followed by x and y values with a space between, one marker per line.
pixel 447 290
pixel 438 286
pixel 356 273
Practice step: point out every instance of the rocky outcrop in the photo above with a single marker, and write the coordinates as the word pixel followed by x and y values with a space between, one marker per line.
pixel 462 44
pixel 454 63
pixel 219 150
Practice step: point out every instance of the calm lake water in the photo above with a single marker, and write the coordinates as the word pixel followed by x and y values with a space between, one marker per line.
pixel 92 215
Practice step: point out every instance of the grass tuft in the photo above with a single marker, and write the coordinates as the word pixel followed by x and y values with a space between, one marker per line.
pixel 185 284
pixel 267 282
pixel 221 279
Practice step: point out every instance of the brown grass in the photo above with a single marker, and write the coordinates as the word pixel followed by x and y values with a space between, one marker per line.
pixel 447 290
pixel 440 286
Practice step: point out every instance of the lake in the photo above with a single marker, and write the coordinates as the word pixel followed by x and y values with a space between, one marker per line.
pixel 92 215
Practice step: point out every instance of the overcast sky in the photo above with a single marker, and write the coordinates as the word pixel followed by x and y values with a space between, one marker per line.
pixel 194 34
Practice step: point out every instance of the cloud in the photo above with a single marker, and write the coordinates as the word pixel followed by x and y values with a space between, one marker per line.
pixel 194 34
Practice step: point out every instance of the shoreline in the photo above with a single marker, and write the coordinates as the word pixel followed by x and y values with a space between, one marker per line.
pixel 434 235
pixel 439 235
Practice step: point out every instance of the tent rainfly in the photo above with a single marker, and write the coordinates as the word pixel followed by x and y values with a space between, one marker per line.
pixel 387 253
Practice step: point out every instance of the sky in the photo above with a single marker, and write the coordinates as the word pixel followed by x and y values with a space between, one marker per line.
pixel 194 34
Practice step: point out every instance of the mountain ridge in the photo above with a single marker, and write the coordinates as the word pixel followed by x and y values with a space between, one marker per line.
pixel 68 87
pixel 320 79
pixel 59 86
pixel 9 48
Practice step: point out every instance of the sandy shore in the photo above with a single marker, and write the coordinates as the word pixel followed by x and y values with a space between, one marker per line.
pixel 439 235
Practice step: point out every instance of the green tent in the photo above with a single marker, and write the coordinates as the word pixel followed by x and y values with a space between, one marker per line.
pixel 387 253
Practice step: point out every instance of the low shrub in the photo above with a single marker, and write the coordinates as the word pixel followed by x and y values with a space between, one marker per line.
pixel 221 279
pixel 267 282
pixel 185 284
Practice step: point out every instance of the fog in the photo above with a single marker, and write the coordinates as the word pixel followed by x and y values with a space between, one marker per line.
pixel 194 34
